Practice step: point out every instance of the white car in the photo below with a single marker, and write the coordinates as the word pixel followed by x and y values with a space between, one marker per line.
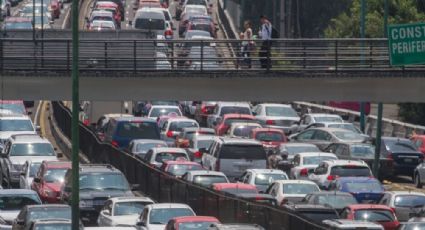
pixel 242 129
pixel 403 203
pixel 222 108
pixel 327 171
pixel 351 224
pixel 278 116
pixel 156 216
pixel 292 191
pixel 305 163
pixel 205 177
pixel 164 110
pixel 120 211
pixel 262 178
pixel 311 118
pixel 12 124
pixel 157 156
pixel 29 171
pixel 174 126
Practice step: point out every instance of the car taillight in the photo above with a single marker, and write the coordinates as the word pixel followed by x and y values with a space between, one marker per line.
pixel 204 109
pixel 197 154
pixel 114 143
pixel 270 122
pixel 331 177
pixel 170 134
pixel 304 172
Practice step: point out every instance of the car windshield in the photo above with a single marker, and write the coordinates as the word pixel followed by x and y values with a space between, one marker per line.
pixel 15 108
pixel 299 188
pixel 374 215
pixel 40 213
pixel 280 112
pixel 293 150
pixel 18 201
pixel 362 151
pixel 409 201
pixel 163 215
pixel 55 175
pixel 103 181
pixel 195 225
pixel 248 152
pixel 138 130
pixel 315 160
pixel 370 186
pixel 234 109
pixel 230 121
pixel 346 126
pixel 157 112
pixel 196 2
pixel 351 171
pixel 36 149
pixel 399 145
pixel 129 208
pixel 336 201
pixel 328 119
pixel 269 178
pixel 150 24
pixel 208 180
pixel 204 144
pixel 53 226
pixel 34 169
pixel 319 216
pixel 169 156
pixel 347 135
pixel 269 136
pixel 413 226
pixel 16 125
pixel 180 125
pixel 18 26
pixel 181 169
pixel 144 148
pixel 243 130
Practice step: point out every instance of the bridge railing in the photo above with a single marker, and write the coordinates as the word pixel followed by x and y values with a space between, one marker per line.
pixel 291 55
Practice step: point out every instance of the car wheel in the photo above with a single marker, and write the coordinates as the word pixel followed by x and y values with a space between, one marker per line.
pixel 417 181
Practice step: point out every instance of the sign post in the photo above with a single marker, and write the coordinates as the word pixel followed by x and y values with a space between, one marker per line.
pixel 406 44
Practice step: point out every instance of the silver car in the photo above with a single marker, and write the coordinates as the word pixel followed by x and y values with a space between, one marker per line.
pixel 278 116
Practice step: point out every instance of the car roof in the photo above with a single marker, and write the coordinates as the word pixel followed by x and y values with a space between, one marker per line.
pixel 203 137
pixel 16 191
pixel 177 119
pixel 164 106
pixel 294 182
pixel 184 219
pixel 239 226
pixel 348 224
pixel 323 115
pixel 330 193
pixel 126 199
pixel 143 141
pixel 311 154
pixel 276 105
pixel 395 139
pixel 220 186
pixel 195 6
pixel 306 207
pixel 15 116
pixel 395 193
pixel 289 144
pixel 51 221
pixel 101 12
pixel 136 119
pixel 167 205
pixel 368 206
pixel 356 179
pixel 168 149
pixel 239 141
pixel 39 206
pixel 205 173
pixel 228 103
pixel 87 168
pixel 28 138
pixel 116 115
pixel 237 115
pixel 256 130
pixel 327 129
pixel 234 124
pixel 182 162
pixel 270 171
pixel 346 162
pixel 57 164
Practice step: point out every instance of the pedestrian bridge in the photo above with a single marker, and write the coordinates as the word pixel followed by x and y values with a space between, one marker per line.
pixel 128 66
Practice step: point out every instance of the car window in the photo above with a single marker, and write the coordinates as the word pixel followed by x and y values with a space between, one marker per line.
pixel 269 136
pixel 299 188
pixel 249 152
pixel 307 135
pixel 129 208
pixel 163 215
pixel 315 160
pixel 374 215
pixel 399 145
pixel 33 149
pixel 322 136
pixel 409 200
pixel 207 180
pixel 169 156
pixel 350 171
pixel 280 112
pixel 179 125
pixel 268 178
pixel 16 125
pixel 234 109
pixel 17 202
pixel 138 130
pixel 418 143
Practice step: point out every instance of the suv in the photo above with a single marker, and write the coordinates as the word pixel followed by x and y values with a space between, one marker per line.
pixel 18 150
pixel 233 156
pixel 120 131
pixel 11 124
pixel 329 170
pixel 98 183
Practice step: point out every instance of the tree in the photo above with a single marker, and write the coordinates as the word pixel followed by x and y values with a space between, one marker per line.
pixel 412 113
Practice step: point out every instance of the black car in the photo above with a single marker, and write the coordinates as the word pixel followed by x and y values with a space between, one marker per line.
pixel 336 200
pixel 316 213
pixel 364 152
pixel 404 154
pixel 31 213
pixel 98 183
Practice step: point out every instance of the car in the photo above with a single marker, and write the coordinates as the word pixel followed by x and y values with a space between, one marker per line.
pixel 98 183
pixel 271 138
pixel 32 213
pixel 233 156
pixel 404 154
pixel 349 105
pixel 140 147
pixel 49 179
pixel 179 168
pixel 315 212
pixel 100 15
pixel 28 173
pixel 205 177
pixel 13 200
pixel 156 111
pixel 364 189
pixel 403 203
pixel 156 216
pixel 234 188
pixel 223 108
pixel 327 171
pixel 336 200
pixel 381 214
pixel 122 130
pixel 262 178
pixel 120 5
pixel 199 142
pixel 292 191
pixel 412 225
pixel 323 137
pixel 241 129
pixel 277 116
pixel 162 119
pixel 204 23
pixel 120 211
pixel 29 9
pixel 18 150
pixel 17 23
pixel 223 125
pixel 161 60
pixel 305 163
pixel 364 152
pixel 189 11
pixel 61 224
pixel 308 119
pixel 419 142
pixel 147 4
pixel 102 123
pixel 203 110
pixel 183 139
pixel 347 126
pixel 208 4
pixel 12 124
pixel 150 20
pixel 191 222
pixel 157 156
pixel 235 227
pixel 340 224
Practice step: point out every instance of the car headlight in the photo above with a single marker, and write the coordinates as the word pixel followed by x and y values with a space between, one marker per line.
pixel 86 203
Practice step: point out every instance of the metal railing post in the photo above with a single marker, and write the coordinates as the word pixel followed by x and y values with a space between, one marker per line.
pixel 1 56
pixel 106 54
pixel 202 56
pixel 370 54
pixel 172 55
pixel 134 57
pixel 336 56
pixel 304 56
pixel 268 53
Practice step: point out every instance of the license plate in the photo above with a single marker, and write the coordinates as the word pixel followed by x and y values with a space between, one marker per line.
pixel 408 160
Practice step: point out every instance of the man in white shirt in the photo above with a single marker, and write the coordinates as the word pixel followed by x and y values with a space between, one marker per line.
pixel 266 36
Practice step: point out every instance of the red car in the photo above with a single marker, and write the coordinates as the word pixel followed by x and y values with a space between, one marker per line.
pixel 112 7
pixel 235 188
pixel 380 214
pixel 419 141
pixel 222 127
pixel 191 222
pixel 180 167
pixel 271 138
pixel 49 180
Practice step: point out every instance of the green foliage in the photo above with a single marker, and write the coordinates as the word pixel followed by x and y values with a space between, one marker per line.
pixel 347 24
pixel 412 113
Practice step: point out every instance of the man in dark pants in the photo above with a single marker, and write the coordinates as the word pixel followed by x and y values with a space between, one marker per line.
pixel 266 36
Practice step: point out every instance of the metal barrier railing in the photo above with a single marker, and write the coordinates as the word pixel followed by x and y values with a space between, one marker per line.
pixel 291 55
pixel 163 187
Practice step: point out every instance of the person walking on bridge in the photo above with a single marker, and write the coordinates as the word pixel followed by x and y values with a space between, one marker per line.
pixel 266 36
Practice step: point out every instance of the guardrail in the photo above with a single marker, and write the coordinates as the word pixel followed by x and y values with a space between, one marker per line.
pixel 390 127
pixel 317 56
pixel 164 187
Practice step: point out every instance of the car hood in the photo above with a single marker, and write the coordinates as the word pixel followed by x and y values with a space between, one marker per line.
pixel 157 227
pixel 86 195
pixel 125 220
pixel 21 159
pixel 7 134
pixel 9 215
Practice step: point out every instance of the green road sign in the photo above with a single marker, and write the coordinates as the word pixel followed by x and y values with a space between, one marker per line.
pixel 406 44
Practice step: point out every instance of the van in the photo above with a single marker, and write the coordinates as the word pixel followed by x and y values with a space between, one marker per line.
pixel 150 20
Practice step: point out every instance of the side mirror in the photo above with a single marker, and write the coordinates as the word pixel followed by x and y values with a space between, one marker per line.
pixel 37 180
pixel 141 224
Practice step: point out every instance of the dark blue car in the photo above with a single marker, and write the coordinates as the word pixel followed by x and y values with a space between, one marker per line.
pixel 364 189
